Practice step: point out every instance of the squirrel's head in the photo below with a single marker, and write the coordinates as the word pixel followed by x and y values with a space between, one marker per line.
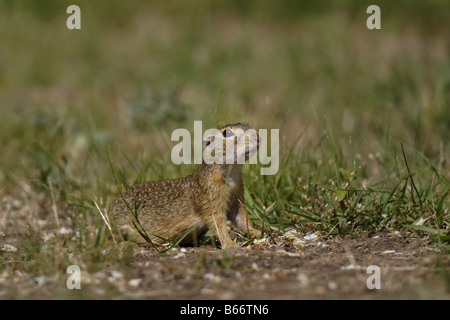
pixel 231 144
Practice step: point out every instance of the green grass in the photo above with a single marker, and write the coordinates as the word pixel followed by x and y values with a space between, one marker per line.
pixel 343 202
pixel 363 117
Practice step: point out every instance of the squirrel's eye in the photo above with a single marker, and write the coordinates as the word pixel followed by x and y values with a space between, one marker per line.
pixel 227 133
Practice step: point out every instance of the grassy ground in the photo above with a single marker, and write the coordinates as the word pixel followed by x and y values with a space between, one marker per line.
pixel 363 116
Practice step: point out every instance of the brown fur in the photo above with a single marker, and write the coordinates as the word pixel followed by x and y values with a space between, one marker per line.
pixel 201 201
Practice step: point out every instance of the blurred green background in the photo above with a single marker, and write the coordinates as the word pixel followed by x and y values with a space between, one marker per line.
pixel 139 69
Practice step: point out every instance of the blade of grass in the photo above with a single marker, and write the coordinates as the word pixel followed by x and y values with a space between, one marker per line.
pixel 411 178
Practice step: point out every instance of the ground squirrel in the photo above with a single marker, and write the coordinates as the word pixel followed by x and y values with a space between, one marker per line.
pixel 169 209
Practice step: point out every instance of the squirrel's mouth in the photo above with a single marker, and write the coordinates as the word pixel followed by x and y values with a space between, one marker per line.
pixel 252 151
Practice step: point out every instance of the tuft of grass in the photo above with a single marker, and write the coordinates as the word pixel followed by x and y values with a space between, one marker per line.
pixel 335 199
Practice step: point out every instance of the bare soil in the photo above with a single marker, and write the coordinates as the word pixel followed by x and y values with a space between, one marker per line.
pixel 310 267
pixel 291 266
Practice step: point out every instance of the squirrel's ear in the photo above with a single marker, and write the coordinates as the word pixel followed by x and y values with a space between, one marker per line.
pixel 208 140
pixel 209 136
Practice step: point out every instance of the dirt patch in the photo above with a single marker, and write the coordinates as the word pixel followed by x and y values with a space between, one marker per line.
pixel 291 266
pixel 298 267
